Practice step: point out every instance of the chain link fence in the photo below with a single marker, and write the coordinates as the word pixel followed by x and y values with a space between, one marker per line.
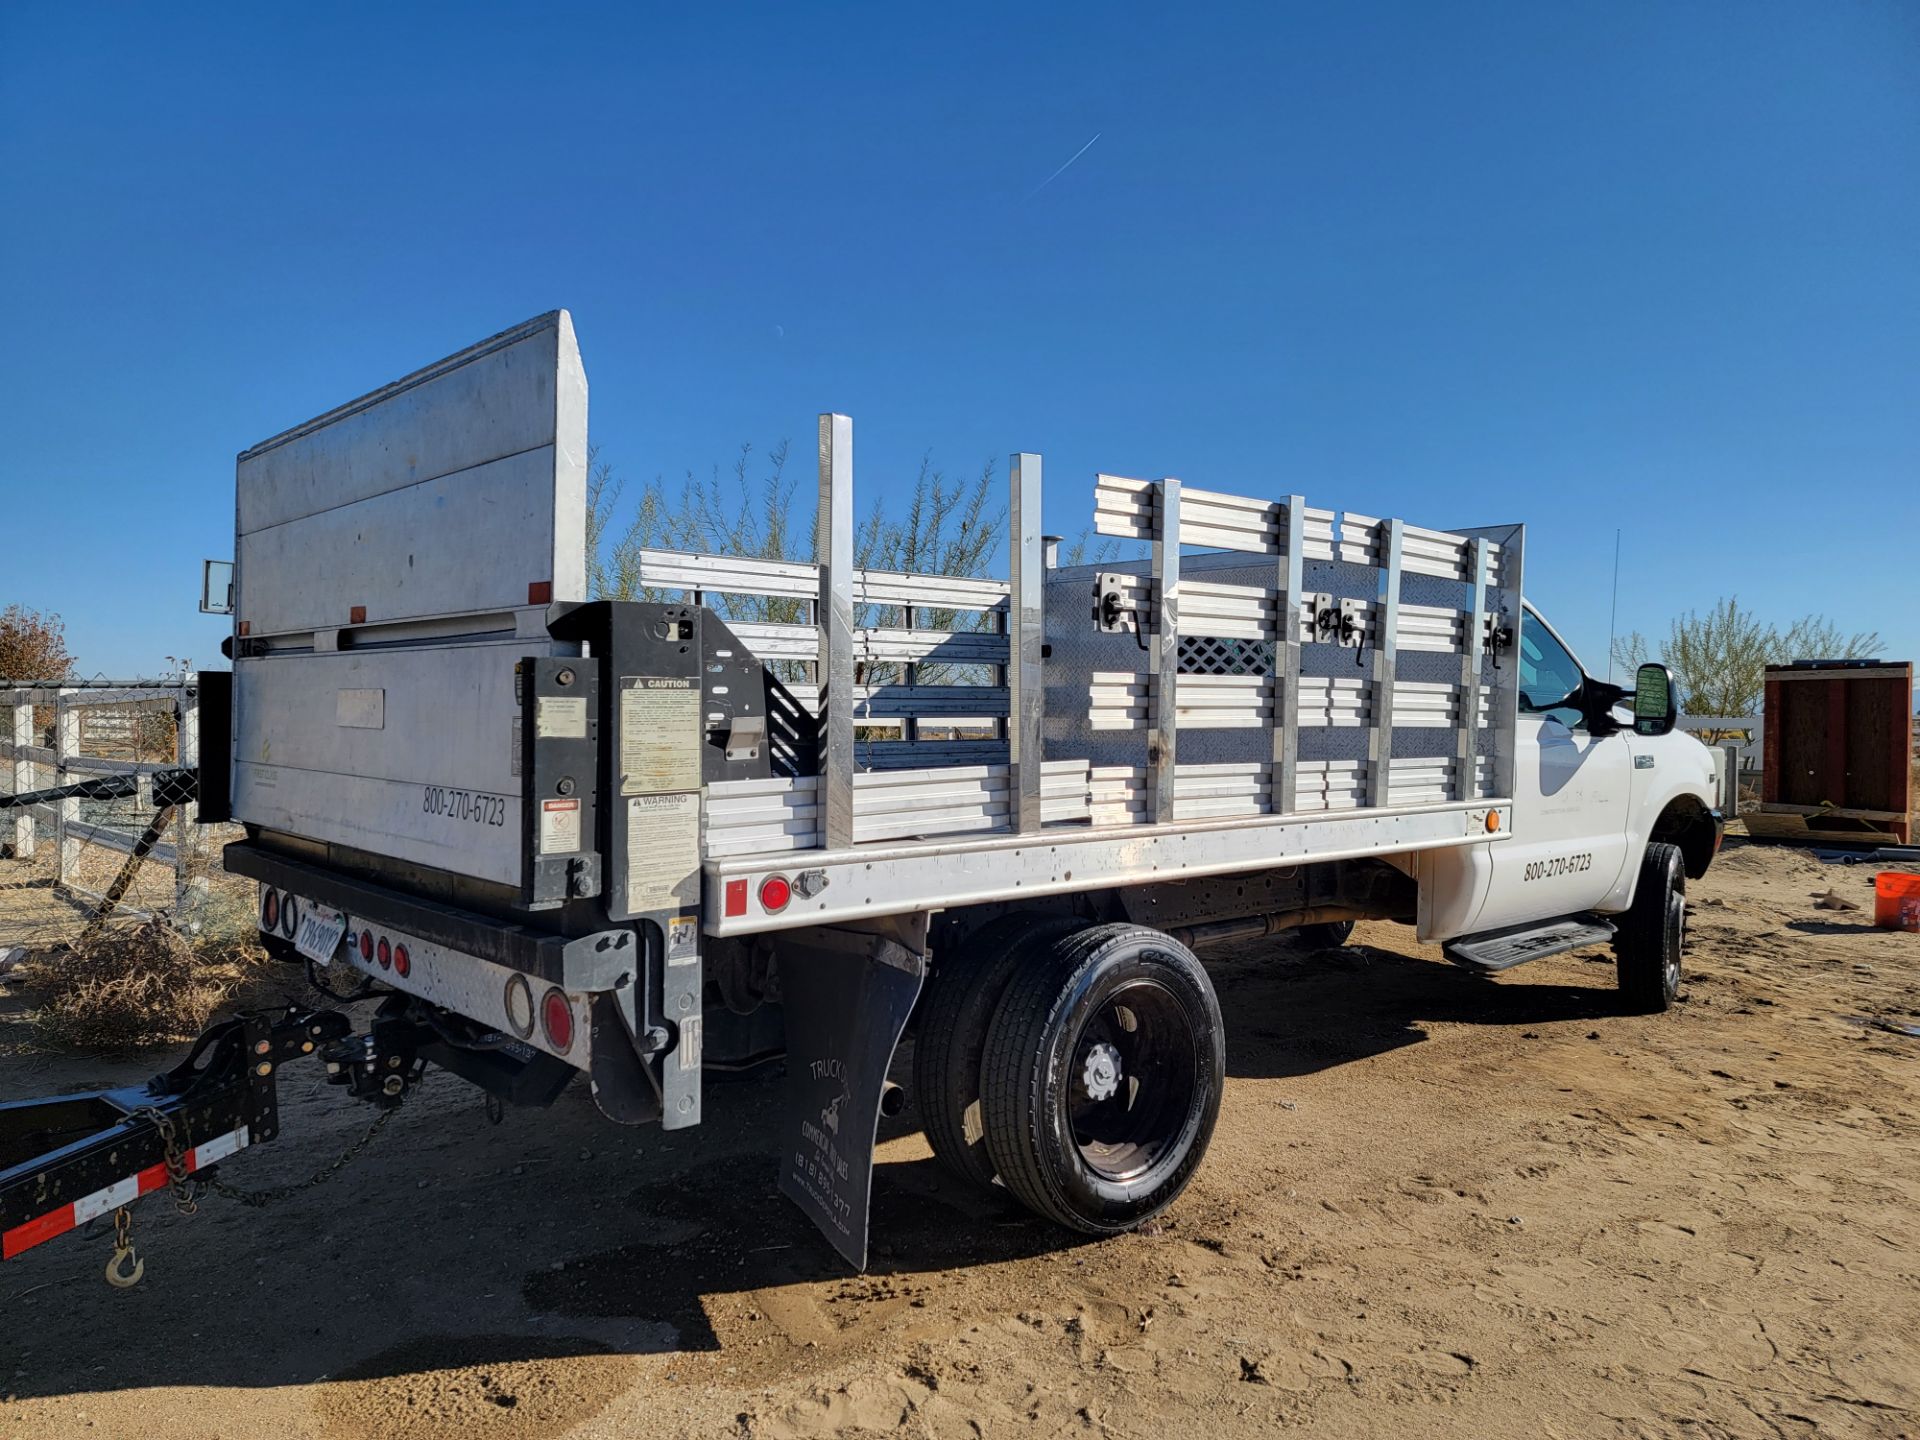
pixel 60 859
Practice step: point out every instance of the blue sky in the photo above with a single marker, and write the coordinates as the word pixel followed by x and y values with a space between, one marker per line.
pixel 1648 266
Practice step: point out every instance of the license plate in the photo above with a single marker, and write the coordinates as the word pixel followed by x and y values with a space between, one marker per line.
pixel 319 933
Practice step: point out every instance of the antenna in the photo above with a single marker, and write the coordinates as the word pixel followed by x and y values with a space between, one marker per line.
pixel 1614 612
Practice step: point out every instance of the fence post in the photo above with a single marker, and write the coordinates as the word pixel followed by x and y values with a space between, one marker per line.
pixel 20 726
pixel 186 752
pixel 66 745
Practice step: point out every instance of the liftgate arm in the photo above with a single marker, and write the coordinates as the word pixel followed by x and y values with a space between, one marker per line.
pixel 67 1159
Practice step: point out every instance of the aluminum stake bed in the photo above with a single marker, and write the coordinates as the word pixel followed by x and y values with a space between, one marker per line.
pixel 782 808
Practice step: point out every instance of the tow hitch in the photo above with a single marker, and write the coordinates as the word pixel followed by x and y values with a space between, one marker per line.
pixel 68 1159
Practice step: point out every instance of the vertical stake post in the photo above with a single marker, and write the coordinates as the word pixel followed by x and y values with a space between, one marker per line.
pixel 1386 652
pixel 1026 616
pixel 1290 581
pixel 1473 650
pixel 1164 655
pixel 834 554
pixel 1505 697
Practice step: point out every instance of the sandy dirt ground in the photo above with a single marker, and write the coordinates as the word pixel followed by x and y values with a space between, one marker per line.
pixel 1437 1203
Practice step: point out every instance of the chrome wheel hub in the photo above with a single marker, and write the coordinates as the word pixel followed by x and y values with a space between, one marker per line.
pixel 1100 1077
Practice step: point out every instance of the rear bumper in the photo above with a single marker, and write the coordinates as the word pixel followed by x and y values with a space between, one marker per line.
pixel 595 961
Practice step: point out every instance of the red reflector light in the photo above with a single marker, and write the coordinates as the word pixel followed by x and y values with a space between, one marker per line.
pixel 366 945
pixel 775 893
pixel 269 910
pixel 402 962
pixel 556 1018
pixel 736 897
pixel 385 952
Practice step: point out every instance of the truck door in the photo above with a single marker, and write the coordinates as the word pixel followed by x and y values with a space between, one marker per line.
pixel 1570 795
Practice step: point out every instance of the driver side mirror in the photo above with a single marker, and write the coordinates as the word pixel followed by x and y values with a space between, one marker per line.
pixel 1653 708
pixel 216 587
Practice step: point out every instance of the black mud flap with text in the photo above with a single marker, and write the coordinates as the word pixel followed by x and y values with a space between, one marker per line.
pixel 848 994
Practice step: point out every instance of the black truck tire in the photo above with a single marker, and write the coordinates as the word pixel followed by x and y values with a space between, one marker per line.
pixel 1102 1078
pixel 1650 936
pixel 962 992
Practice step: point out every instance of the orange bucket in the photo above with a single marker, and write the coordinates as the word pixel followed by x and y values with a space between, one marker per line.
pixel 1896 901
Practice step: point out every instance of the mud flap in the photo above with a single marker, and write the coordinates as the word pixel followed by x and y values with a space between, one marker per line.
pixel 847 995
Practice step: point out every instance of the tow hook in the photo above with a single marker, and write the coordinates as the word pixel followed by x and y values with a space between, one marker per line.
pixel 372 1071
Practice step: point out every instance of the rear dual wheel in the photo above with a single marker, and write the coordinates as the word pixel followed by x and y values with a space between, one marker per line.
pixel 1101 1077
pixel 962 993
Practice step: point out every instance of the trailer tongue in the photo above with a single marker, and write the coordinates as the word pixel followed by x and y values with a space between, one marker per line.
pixel 631 840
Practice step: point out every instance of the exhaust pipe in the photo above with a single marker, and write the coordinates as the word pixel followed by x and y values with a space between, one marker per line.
pixel 1258 927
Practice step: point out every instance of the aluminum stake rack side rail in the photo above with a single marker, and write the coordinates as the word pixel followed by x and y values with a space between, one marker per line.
pixel 788 806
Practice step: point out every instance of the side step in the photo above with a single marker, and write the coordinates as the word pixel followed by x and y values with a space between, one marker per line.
pixel 1503 949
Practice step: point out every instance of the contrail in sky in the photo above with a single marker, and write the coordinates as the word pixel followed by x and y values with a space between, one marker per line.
pixel 1063 169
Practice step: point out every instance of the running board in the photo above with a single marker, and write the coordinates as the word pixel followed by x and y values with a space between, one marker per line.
pixel 1503 949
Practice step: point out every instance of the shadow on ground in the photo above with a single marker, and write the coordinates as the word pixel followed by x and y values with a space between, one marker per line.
pixel 557 1234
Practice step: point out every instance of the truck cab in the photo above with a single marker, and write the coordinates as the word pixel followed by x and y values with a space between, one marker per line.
pixel 1596 787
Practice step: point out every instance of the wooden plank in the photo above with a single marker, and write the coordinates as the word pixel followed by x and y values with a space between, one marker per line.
pixel 1770 754
pixel 1838 812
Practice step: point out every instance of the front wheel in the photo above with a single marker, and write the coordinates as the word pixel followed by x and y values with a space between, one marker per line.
pixel 1102 1078
pixel 1647 946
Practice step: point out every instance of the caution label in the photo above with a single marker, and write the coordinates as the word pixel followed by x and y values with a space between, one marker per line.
pixel 659 734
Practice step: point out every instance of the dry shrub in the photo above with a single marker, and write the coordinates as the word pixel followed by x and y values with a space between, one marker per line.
pixel 222 924
pixel 124 988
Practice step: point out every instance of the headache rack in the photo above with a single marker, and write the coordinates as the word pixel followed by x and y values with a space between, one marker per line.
pixel 1269 681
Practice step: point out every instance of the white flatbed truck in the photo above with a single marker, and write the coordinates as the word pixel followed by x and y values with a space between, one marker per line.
pixel 564 838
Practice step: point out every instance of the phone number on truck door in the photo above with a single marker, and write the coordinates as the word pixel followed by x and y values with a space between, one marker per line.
pixel 463 805
pixel 1559 865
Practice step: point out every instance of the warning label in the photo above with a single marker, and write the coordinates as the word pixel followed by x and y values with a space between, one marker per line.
pixel 559 826
pixel 663 852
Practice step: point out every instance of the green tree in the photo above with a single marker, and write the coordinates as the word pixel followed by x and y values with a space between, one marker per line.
pixel 1719 659
pixel 33 645
pixel 756 510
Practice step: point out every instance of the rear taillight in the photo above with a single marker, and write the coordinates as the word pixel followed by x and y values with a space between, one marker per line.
pixel 402 962
pixel 289 916
pixel 520 1006
pixel 775 892
pixel 556 1018
pixel 269 910
pixel 385 952
pixel 366 945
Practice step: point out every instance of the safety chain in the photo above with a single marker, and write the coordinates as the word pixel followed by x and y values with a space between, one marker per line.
pixel 260 1198
pixel 126 1267
pixel 178 1185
